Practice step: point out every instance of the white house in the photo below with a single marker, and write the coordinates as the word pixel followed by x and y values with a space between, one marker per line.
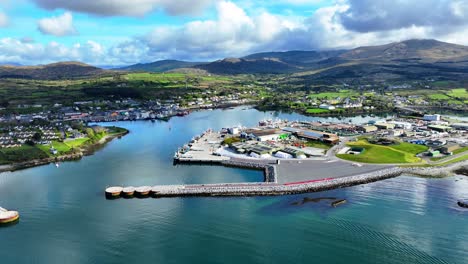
pixel 327 107
pixel 435 117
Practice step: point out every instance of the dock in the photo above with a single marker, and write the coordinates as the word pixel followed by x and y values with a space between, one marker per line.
pixel 201 150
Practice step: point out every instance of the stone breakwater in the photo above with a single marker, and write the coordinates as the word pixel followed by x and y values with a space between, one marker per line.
pixel 271 187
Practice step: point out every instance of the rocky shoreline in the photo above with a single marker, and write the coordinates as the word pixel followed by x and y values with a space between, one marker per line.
pixel 438 172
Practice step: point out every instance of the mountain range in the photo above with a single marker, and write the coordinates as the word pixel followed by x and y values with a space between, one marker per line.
pixel 411 59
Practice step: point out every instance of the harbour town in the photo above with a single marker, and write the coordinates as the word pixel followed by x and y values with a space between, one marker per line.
pixel 153 189
pixel 300 156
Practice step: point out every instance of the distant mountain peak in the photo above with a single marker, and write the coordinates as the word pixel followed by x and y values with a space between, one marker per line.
pixel 160 66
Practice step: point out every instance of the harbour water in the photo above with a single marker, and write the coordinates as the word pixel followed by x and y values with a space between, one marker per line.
pixel 66 219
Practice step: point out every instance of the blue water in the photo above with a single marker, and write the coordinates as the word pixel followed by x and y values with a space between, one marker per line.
pixel 65 218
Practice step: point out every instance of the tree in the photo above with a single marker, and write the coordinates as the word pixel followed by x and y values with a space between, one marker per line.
pixel 90 132
pixel 37 136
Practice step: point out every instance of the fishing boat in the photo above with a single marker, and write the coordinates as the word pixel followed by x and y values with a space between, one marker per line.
pixel 7 217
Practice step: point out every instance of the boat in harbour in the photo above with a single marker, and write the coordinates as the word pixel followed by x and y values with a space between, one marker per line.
pixel 8 217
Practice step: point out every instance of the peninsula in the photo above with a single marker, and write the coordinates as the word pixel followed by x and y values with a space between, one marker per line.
pixel 30 146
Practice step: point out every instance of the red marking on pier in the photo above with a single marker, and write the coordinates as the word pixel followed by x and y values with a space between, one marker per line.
pixel 228 185
pixel 304 182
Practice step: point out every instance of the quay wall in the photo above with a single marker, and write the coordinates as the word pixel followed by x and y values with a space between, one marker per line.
pixel 270 171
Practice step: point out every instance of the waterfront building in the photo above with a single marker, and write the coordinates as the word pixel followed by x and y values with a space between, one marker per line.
pixel 435 117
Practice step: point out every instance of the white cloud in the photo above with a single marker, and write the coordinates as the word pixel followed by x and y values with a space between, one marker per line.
pixel 4 20
pixel 233 33
pixel 58 26
pixel 126 7
pixel 372 16
pixel 28 53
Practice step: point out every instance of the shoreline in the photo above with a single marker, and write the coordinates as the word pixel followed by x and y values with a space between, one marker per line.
pixel 87 150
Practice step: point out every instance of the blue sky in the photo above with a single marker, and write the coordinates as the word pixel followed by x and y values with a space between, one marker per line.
pixel 120 32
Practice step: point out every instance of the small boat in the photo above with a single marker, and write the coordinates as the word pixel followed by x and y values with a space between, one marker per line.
pixel 114 192
pixel 57 164
pixel 8 217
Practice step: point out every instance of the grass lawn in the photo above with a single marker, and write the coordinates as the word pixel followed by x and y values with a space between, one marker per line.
pixel 460 93
pixel 318 144
pixel 317 111
pixel 402 153
pixel 438 96
pixel 462 158
pixel 460 150
pixel 330 95
pixel 76 142
pixel 410 148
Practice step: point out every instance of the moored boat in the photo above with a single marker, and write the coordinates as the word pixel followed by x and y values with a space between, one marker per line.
pixel 8 217
pixel 114 192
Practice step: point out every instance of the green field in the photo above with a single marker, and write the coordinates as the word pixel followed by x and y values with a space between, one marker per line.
pixel 317 111
pixel 460 93
pixel 438 96
pixel 461 158
pixel 332 95
pixel 394 154
pixel 26 152
pixel 23 153
pixel 77 142
pixel 460 150
pixel 318 144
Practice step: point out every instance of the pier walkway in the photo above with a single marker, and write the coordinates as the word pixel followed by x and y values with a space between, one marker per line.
pixel 270 188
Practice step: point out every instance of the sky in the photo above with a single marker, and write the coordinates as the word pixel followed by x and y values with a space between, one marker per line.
pixel 123 32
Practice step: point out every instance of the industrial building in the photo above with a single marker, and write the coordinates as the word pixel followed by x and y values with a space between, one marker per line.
pixel 385 125
pixel 435 117
pixel 449 148
pixel 439 128
pixel 460 126
pixel 313 135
